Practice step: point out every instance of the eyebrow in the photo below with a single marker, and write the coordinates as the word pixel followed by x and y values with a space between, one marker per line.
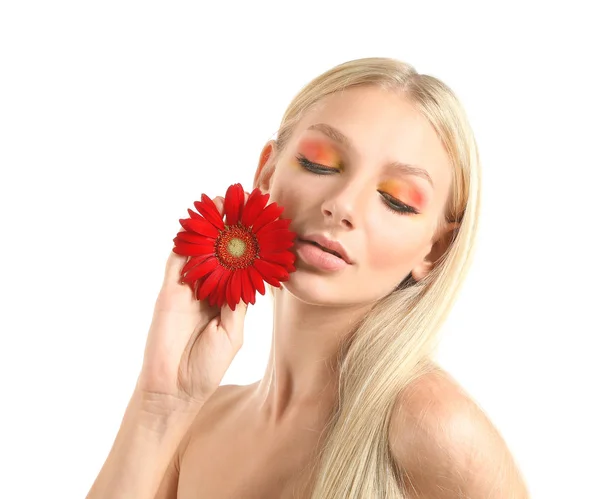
pixel 337 136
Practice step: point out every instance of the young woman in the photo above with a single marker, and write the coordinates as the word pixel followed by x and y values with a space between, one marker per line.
pixel 378 163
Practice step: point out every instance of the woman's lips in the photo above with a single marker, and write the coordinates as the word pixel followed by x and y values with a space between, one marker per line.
pixel 312 254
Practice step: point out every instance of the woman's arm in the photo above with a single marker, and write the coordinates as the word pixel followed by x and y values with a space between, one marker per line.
pixel 146 443
pixel 190 346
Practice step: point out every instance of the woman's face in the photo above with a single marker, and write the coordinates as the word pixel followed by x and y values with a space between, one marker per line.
pixel 336 177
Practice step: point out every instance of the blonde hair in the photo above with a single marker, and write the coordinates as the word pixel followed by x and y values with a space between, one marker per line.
pixel 395 341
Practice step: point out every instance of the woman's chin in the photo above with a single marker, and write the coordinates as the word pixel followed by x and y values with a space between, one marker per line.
pixel 315 290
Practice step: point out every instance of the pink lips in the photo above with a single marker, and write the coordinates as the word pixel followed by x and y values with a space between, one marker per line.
pixel 313 255
pixel 329 244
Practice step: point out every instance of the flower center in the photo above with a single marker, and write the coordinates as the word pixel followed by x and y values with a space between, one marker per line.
pixel 236 247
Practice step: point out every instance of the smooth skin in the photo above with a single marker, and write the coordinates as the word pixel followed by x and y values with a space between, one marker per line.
pixel 259 440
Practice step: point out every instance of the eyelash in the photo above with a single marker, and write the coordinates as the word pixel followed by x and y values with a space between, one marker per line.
pixel 396 206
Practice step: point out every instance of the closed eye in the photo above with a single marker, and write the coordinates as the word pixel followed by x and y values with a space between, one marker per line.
pixel 315 167
pixel 392 204
pixel 396 205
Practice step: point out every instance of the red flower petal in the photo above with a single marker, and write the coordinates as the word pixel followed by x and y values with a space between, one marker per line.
pixel 280 223
pixel 269 214
pixel 275 236
pixel 236 286
pixel 201 270
pixel 192 262
pixel 275 246
pixel 256 280
pixel 190 250
pixel 222 269
pixel 209 210
pixel 271 272
pixel 214 298
pixel 222 289
pixel 199 226
pixel 193 214
pixel 186 249
pixel 234 203
pixel 248 291
pixel 210 283
pixel 254 206
pixel 233 298
pixel 284 258
pixel 189 237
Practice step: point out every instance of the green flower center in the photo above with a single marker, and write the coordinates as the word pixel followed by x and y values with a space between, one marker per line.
pixel 236 247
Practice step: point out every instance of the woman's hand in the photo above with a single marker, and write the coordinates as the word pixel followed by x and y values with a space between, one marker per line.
pixel 190 344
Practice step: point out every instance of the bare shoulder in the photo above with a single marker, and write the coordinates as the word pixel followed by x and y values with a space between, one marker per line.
pixel 212 412
pixel 445 446
pixel 216 407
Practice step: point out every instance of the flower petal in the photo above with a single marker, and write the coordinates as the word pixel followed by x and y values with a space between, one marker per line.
pixel 280 223
pixel 233 290
pixel 234 204
pixel 209 210
pixel 193 214
pixel 196 250
pixel 248 292
pixel 275 236
pixel 254 206
pixel 275 246
pixel 256 280
pixel 201 270
pixel 222 290
pixel 236 286
pixel 189 237
pixel 192 262
pixel 186 249
pixel 270 272
pixel 284 258
pixel 210 283
pixel 270 213
pixel 213 297
pixel 199 226
pixel 193 239
pixel 228 298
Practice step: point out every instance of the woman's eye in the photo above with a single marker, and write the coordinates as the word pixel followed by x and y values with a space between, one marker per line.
pixel 314 167
pixel 397 206
pixel 391 203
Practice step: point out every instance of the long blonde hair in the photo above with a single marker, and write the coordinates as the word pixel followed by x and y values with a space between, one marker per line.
pixel 394 343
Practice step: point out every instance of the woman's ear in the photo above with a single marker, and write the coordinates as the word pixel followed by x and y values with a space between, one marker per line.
pixel 445 237
pixel 266 167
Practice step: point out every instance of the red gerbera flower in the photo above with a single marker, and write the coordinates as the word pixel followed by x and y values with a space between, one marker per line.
pixel 230 259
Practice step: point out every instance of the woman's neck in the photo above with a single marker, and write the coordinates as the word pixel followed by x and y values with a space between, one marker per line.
pixel 302 370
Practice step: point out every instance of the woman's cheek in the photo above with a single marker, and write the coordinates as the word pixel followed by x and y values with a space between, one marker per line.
pixel 291 199
pixel 389 252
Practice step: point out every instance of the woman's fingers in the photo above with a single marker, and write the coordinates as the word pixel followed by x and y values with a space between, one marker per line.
pixel 173 267
pixel 232 321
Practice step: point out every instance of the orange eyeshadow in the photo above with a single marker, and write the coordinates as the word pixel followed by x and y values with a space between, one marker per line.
pixel 319 152
pixel 405 193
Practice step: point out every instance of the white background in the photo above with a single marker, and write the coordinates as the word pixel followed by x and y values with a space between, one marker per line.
pixel 116 116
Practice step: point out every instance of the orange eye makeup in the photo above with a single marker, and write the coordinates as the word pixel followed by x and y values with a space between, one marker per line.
pixel 319 152
pixel 405 193
pixel 323 153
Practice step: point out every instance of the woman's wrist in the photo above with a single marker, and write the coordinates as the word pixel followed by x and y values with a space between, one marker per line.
pixel 147 439
pixel 161 413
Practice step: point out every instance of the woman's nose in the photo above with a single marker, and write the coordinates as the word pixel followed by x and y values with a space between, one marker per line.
pixel 345 205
